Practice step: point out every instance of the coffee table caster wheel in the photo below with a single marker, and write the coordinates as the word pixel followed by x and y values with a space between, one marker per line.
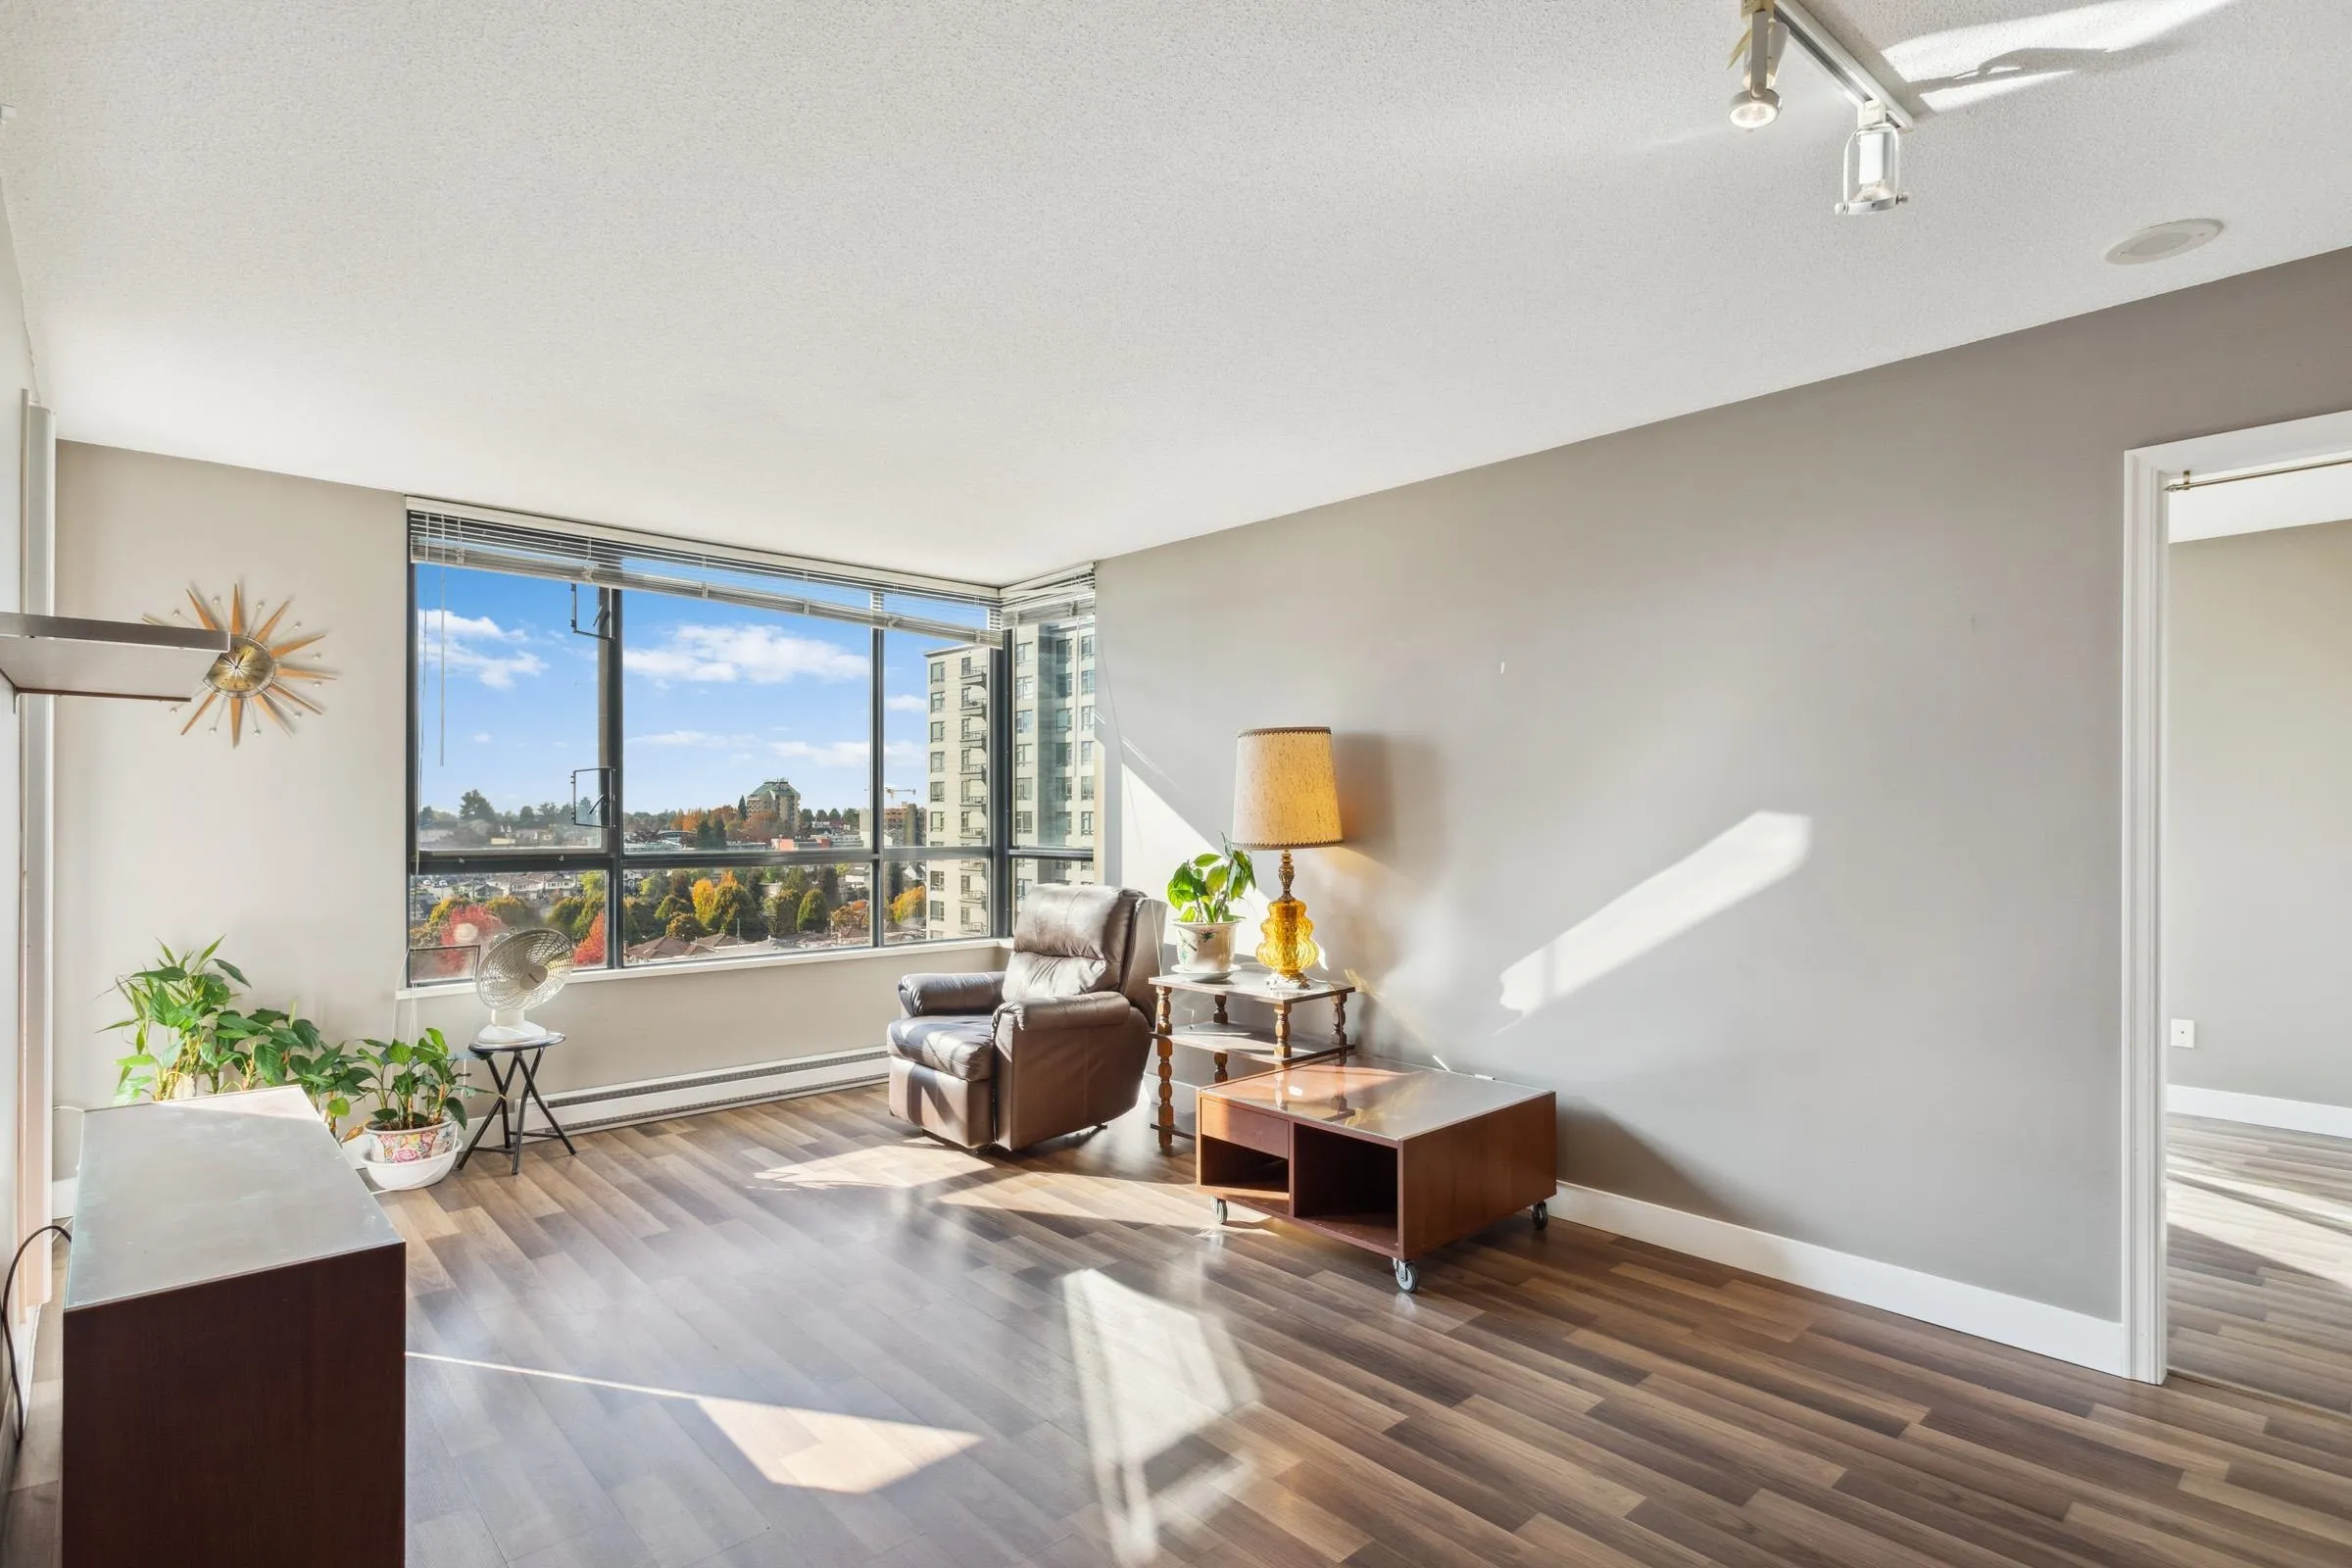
pixel 1540 1214
pixel 1408 1278
pixel 1219 1211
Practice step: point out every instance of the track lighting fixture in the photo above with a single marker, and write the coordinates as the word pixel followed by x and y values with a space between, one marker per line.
pixel 1874 174
pixel 1874 153
pixel 1756 105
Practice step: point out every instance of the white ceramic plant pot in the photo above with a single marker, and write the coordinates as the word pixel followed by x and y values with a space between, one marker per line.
pixel 401 1175
pixel 419 1156
pixel 1204 948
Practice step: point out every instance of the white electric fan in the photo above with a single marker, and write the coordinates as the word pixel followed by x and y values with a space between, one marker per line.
pixel 520 970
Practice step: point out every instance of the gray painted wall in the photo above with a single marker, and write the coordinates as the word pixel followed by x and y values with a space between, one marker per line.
pixel 2258 849
pixel 1869 629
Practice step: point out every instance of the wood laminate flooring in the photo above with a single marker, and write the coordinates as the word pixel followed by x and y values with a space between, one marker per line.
pixel 2259 1279
pixel 798 1334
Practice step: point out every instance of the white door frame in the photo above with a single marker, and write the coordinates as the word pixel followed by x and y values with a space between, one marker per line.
pixel 2147 471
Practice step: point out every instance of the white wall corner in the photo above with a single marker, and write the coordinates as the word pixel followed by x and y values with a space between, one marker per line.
pixel 2099 1344
pixel 2260 1110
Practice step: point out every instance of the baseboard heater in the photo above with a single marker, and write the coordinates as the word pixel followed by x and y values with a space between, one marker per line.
pixel 658 1099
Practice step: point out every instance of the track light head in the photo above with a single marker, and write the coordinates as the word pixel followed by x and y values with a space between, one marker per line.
pixel 1754 108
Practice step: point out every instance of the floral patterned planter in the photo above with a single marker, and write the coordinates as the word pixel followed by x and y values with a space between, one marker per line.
pixel 409 1145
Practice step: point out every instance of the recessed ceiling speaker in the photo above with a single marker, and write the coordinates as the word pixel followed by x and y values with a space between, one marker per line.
pixel 2163 241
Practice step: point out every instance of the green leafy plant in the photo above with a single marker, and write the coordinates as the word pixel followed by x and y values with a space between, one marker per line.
pixel 416 1082
pixel 1206 888
pixel 176 1010
pixel 277 1047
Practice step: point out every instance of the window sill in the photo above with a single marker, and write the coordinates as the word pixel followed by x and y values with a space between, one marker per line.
pixel 781 960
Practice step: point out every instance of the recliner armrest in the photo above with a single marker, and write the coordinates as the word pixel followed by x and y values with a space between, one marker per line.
pixel 928 994
pixel 1093 1009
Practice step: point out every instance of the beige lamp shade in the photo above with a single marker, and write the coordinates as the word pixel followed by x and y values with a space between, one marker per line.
pixel 1283 793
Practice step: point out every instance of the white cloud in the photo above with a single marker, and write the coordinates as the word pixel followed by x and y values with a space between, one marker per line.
pixel 481 737
pixel 760 654
pixel 455 643
pixel 828 754
pixel 904 703
pixel 687 737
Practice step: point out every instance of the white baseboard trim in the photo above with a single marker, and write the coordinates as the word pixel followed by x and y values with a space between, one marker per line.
pixel 653 1099
pixel 2260 1110
pixel 2096 1342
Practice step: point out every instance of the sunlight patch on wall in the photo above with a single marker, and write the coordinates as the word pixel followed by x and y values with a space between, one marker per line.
pixel 1151 1375
pixel 1736 865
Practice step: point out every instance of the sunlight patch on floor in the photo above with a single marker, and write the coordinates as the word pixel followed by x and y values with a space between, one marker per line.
pixel 1152 1375
pixel 1073 1197
pixel 819 1450
pixel 918 1162
pixel 2312 1236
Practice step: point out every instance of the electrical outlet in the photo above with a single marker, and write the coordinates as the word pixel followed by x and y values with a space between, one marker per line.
pixel 2184 1034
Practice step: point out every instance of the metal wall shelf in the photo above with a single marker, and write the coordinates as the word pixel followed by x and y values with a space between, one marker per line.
pixel 63 656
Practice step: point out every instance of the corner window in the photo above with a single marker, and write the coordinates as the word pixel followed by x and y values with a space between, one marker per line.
pixel 602 746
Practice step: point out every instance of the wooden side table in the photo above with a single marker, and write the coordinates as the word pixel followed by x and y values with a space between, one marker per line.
pixel 1387 1157
pixel 1224 1040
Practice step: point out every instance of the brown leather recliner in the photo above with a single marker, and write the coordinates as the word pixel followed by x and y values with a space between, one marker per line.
pixel 1055 1041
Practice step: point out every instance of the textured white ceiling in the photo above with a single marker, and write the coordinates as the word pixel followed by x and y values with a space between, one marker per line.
pixel 983 287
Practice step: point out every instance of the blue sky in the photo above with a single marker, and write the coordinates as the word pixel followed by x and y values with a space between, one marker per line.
pixel 716 699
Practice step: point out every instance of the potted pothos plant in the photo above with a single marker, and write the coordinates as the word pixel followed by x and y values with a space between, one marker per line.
pixel 415 1084
pixel 1204 891
pixel 175 1010
pixel 279 1048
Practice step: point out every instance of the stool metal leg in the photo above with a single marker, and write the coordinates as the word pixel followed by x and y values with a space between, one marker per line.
pixel 482 1127
pixel 531 1092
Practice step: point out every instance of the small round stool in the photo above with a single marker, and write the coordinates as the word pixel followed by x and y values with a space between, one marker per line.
pixel 518 1086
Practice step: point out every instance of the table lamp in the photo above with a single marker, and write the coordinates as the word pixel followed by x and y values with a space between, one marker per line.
pixel 1284 799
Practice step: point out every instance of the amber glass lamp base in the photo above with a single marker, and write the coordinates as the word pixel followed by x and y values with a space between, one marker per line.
pixel 1288 946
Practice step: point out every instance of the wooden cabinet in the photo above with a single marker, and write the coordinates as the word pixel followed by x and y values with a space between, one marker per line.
pixel 234 1341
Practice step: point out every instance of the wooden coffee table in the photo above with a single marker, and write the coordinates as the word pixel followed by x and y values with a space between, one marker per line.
pixel 1383 1155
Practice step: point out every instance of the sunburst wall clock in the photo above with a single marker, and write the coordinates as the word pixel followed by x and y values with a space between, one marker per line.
pixel 257 676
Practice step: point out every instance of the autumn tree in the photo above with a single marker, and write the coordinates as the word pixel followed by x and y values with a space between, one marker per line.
pixel 850 922
pixel 816 911
pixel 681 925
pixel 591 950
pixel 908 908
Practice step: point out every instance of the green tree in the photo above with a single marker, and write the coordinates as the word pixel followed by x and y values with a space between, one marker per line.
pixel 526 817
pixel 829 880
pixel 736 913
pixel 816 913
pixel 572 918
pixel 474 807
pixel 710 833
pixel 511 911
pixel 638 915
pixel 682 926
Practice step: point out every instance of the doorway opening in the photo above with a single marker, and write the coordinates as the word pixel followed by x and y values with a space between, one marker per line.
pixel 2237 903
